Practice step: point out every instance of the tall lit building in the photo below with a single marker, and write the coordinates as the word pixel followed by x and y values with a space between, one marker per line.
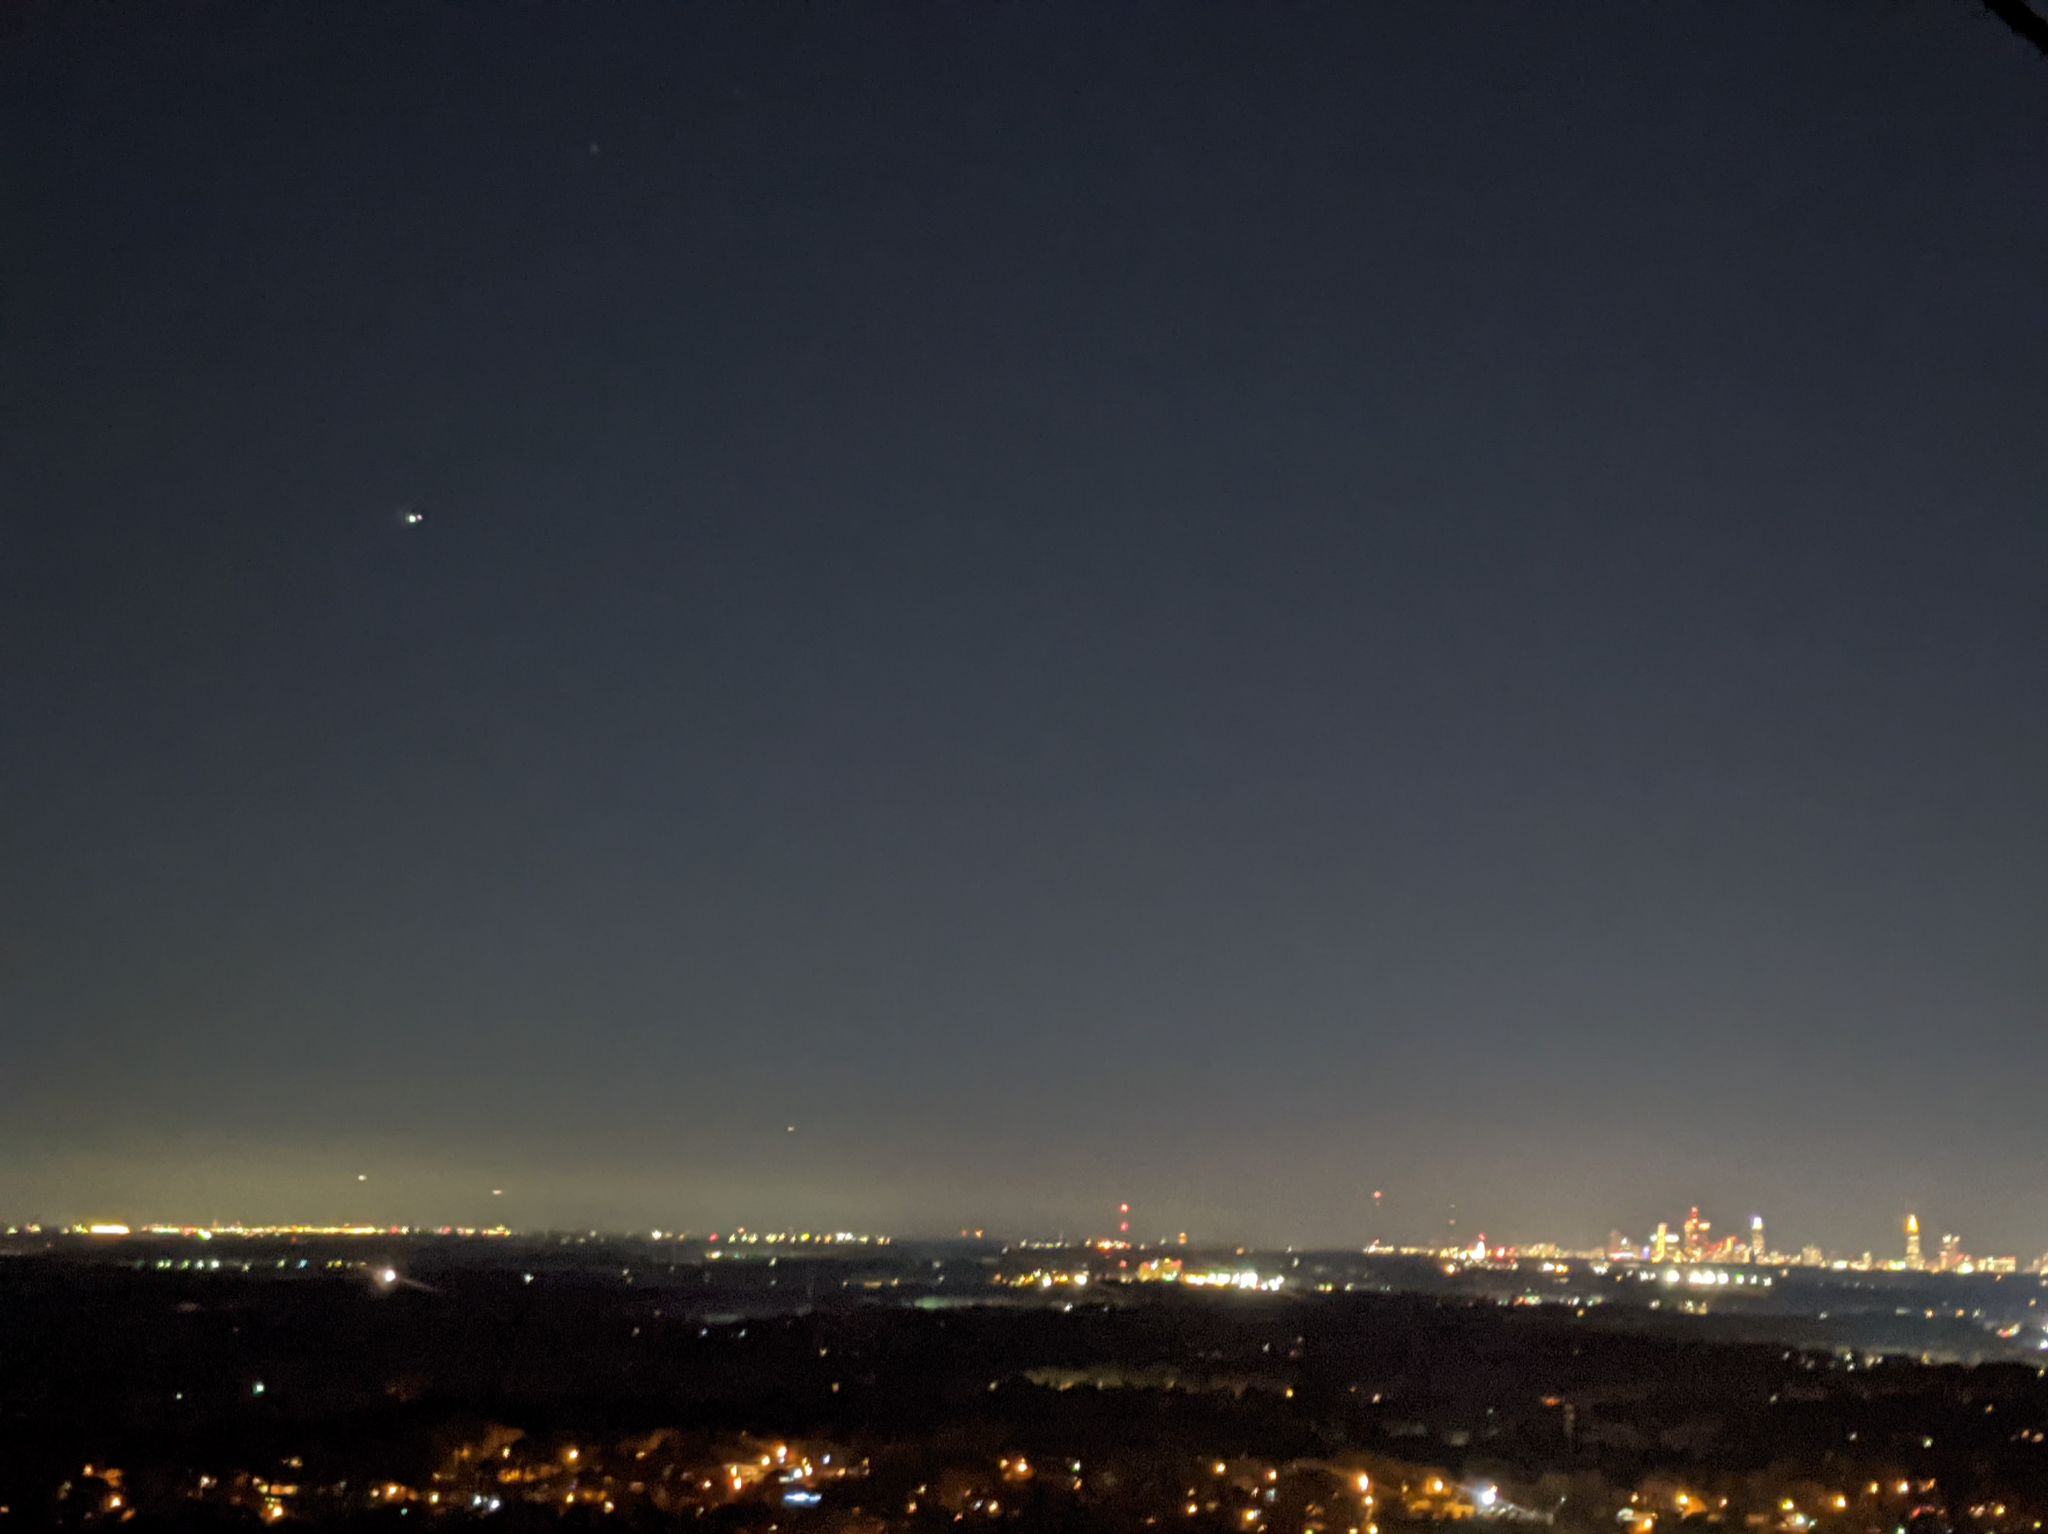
pixel 1914 1261
pixel 1758 1252
pixel 1660 1247
pixel 1695 1235
pixel 1951 1253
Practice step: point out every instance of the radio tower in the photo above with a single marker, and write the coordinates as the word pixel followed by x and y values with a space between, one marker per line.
pixel 1123 1231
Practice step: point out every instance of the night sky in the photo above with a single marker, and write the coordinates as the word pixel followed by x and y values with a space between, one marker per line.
pixel 1217 605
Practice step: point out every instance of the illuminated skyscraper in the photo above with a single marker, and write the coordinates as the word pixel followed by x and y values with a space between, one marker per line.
pixel 1913 1258
pixel 1757 1249
pixel 1660 1248
pixel 1695 1235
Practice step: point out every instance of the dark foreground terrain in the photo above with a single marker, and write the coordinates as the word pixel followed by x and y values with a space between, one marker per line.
pixel 614 1391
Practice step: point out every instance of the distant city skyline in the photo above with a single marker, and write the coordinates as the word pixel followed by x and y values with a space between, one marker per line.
pixel 1686 1243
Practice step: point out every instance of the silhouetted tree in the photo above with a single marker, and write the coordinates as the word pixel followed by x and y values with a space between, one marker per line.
pixel 2021 16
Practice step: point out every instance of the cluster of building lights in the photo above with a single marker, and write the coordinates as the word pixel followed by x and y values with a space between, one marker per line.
pixel 1693 1242
pixel 1165 1270
pixel 108 1229
pixel 1706 1277
pixel 657 1471
pixel 744 1237
pixel 1221 1278
pixel 1691 1245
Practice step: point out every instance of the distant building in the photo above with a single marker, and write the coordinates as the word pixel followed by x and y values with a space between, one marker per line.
pixel 1758 1252
pixel 1914 1261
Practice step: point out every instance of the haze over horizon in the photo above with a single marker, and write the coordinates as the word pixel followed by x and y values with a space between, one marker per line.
pixel 1216 606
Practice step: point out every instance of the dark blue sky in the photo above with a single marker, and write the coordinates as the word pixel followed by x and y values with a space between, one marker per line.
pixel 1221 605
